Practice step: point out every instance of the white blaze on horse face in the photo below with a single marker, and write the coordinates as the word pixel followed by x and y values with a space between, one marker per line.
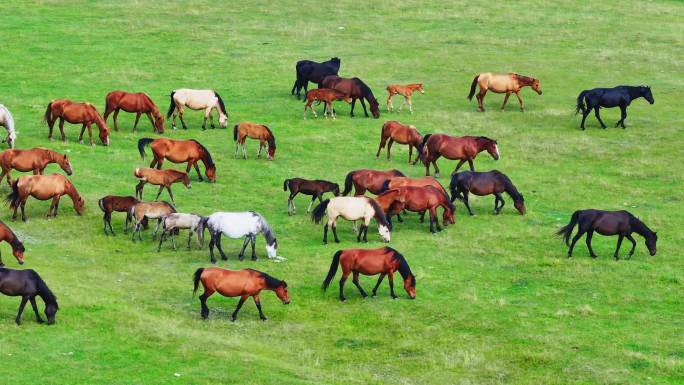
pixel 271 251
pixel 384 233
pixel 496 151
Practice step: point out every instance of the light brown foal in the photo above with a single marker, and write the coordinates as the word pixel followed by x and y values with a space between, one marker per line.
pixel 502 84
pixel 161 178
pixel 404 90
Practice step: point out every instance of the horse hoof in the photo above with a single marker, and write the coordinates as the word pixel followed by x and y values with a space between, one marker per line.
pixel 264 319
pixel 436 175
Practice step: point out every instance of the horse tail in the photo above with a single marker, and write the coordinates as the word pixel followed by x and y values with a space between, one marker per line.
pixel 472 87
pixel 235 132
pixel 385 186
pixel 141 145
pixel 566 230
pixel 196 279
pixel 47 117
pixel 423 150
pixel 580 102
pixel 172 106
pixel 285 184
pixel 333 269
pixel 100 203
pixel 348 183
pixel 220 102
pixel 13 197
pixel 319 211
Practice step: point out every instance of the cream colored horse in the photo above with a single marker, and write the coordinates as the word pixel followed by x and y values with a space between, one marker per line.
pixel 502 84
pixel 352 209
pixel 206 100
pixel 7 121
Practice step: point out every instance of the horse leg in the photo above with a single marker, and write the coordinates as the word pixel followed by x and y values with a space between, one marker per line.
pixel 313 199
pixel 375 289
pixel 480 99
pixel 433 218
pixel 391 285
pixel 105 220
pixel 51 125
pixel 53 204
pixel 410 153
pixel 80 137
pixel 203 303
pixel 244 149
pixel 389 147
pixel 343 279
pixel 383 141
pixel 522 105
pixel 149 116
pixel 402 104
pixel 460 163
pixel 410 103
pixel 61 129
pixel 241 256
pixel 180 115
pixel 389 103
pixel 161 188
pixel 24 299
pixel 352 107
pixel 631 239
pixel 23 213
pixel 590 234
pixel 116 115
pixel 598 117
pixel 139 189
pixel 363 104
pixel 199 175
pixel 211 121
pixel 156 229
pixel 261 146
pixel 325 234
pixel 253 238
pixel 365 234
pixel 334 231
pixel 168 188
pixel 358 237
pixel 6 172
pixel 576 238
pixel 212 242
pixel 207 112
pixel 35 309
pixel 219 247
pixel 257 302
pixel 498 199
pixel 434 164
pixel 623 116
pixel 503 106
pixel 239 305
pixel 355 279
pixel 162 237
pixel 617 249
pixel 137 118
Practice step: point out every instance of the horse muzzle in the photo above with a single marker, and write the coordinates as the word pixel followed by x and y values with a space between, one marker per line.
pixel 286 302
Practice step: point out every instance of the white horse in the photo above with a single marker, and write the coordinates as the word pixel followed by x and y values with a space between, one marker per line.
pixel 206 100
pixel 352 209
pixel 176 221
pixel 234 225
pixel 7 121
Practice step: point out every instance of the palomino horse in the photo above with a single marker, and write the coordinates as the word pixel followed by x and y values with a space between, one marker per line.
pixel 315 188
pixel 417 199
pixel 122 204
pixel 371 180
pixel 238 283
pixel 402 134
pixel 311 71
pixel 35 159
pixel 143 211
pixel 176 221
pixel 327 96
pixel 43 187
pixel 351 209
pixel 244 130
pixel 404 90
pixel 161 178
pixel 246 224
pixel 7 235
pixel 502 84
pixel 620 96
pixel 620 223
pixel 206 100
pixel 76 113
pixel 384 261
pixel 353 88
pixel 140 103
pixel 179 151
pixel 485 183
pixel 27 284
pixel 463 148
pixel 7 121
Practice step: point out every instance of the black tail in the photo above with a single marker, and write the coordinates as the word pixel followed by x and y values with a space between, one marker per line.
pixel 580 102
pixel 285 184
pixel 385 186
pixel 566 230
pixel 196 280
pixel 101 204
pixel 172 106
pixel 223 106
pixel 348 183
pixel 13 197
pixel 141 146
pixel 472 87
pixel 333 269
pixel 319 211
pixel 48 114
pixel 235 132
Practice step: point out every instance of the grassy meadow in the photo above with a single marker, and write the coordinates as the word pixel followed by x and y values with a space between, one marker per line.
pixel 498 302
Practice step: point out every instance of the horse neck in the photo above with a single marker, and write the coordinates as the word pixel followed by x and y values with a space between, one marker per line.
pixel 267 231
pixel 512 191
pixel 524 80
pixel 404 268
pixel 640 227
pixel 635 92
pixel 218 108
pixel 9 120
pixel 70 190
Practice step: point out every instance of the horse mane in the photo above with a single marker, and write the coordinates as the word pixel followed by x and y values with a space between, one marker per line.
pixel 639 226
pixel 210 162
pixel 43 289
pixel 265 228
pixel 271 283
pixel 379 215
pixel 509 187
pixel 14 242
pixel 10 119
pixel 220 101
pixel 404 268
pixel 271 138
pixel 524 79
pixel 485 138
pixel 367 93
pixel 398 173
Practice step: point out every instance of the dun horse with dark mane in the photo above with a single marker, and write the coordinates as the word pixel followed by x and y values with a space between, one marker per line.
pixel 502 84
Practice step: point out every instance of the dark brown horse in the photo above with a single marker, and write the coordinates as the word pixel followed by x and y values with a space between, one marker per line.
pixel 179 151
pixel 384 261
pixel 620 223
pixel 35 159
pixel 502 84
pixel 76 113
pixel 353 88
pixel 402 134
pixel 43 187
pixel 140 103
pixel 485 183
pixel 7 235
pixel 315 188
pixel 365 179
pixel 27 284
pixel 122 204
pixel 420 200
pixel 161 178
pixel 463 148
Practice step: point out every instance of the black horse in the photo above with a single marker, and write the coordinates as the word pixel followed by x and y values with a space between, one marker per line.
pixel 311 71
pixel 354 88
pixel 620 223
pixel 28 284
pixel 620 96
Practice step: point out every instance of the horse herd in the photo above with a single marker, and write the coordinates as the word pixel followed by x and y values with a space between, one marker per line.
pixel 395 193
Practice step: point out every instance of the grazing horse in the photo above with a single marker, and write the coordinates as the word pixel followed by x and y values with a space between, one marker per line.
pixel 384 261
pixel 27 284
pixel 351 209
pixel 463 148
pixel 417 199
pixel 502 84
pixel 238 283
pixel 246 224
pixel 143 211
pixel 43 187
pixel 311 71
pixel 76 113
pixel 620 223
pixel 353 88
pixel 485 183
pixel 402 134
pixel 7 121
pixel 620 96
pixel 206 100
pixel 179 151
pixel 402 181
pixel 35 159
pixel 161 178
pixel 7 235
pixel 176 221
pixel 327 96
pixel 245 130
pixel 140 103
pixel 122 204
pixel 405 91
pixel 315 188
pixel 365 179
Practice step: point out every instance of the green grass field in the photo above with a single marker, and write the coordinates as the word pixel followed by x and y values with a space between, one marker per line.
pixel 498 302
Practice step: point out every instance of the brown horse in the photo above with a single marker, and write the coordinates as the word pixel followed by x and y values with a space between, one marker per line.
pixel 327 96
pixel 7 235
pixel 141 211
pixel 139 103
pixel 353 88
pixel 161 178
pixel 122 204
pixel 502 84
pixel 405 91
pixel 43 187
pixel 402 134
pixel 365 179
pixel 463 148
pixel 485 183
pixel 237 283
pixel 35 159
pixel 179 151
pixel 315 188
pixel 402 181
pixel 418 199
pixel 384 261
pixel 244 130
pixel 76 113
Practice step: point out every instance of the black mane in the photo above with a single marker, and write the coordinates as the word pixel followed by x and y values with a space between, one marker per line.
pixel 367 93
pixel 379 215
pixel 271 283
pixel 210 162
pixel 404 268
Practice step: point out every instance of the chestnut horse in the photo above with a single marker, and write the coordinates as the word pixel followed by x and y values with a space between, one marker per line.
pixel 353 88
pixel 418 199
pixel 179 151
pixel 502 84
pixel 7 235
pixel 365 179
pixel 405 91
pixel 122 204
pixel 76 113
pixel 140 103
pixel 43 187
pixel 402 181
pixel 327 96
pixel 237 283
pixel 315 188
pixel 402 134
pixel 35 159
pixel 245 130
pixel 161 178
pixel 485 183
pixel 384 261
pixel 206 100
pixel 463 148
